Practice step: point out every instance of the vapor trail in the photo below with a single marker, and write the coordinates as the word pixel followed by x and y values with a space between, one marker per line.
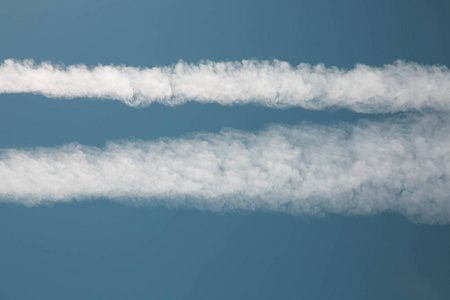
pixel 401 86
pixel 397 165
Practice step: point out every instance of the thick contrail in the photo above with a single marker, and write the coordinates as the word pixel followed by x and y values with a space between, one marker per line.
pixel 396 165
pixel 401 86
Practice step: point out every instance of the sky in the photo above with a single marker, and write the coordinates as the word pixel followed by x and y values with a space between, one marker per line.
pixel 224 149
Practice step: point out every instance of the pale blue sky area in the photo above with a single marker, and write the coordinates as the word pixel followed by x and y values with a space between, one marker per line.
pixel 101 250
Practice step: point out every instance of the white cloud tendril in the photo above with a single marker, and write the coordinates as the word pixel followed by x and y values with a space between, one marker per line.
pixel 401 86
pixel 399 165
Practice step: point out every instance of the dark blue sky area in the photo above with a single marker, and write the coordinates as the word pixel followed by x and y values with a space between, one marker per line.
pixel 148 33
pixel 102 250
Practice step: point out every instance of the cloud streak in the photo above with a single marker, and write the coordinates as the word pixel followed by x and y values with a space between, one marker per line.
pixel 401 86
pixel 399 165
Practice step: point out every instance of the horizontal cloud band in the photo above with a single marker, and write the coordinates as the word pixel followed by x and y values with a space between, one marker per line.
pixel 398 87
pixel 396 165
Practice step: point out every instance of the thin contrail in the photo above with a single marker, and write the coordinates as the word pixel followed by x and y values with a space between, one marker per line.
pixel 399 165
pixel 401 86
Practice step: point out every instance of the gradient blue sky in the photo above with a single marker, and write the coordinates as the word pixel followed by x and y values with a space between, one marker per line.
pixel 102 250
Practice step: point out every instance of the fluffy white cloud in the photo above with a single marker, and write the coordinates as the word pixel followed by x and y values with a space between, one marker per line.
pixel 398 87
pixel 397 165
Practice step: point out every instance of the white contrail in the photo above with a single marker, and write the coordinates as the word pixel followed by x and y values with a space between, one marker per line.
pixel 401 86
pixel 396 165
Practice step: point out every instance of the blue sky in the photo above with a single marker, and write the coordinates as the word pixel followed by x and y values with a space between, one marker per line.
pixel 95 248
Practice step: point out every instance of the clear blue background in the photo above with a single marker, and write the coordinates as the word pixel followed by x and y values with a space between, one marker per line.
pixel 102 250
